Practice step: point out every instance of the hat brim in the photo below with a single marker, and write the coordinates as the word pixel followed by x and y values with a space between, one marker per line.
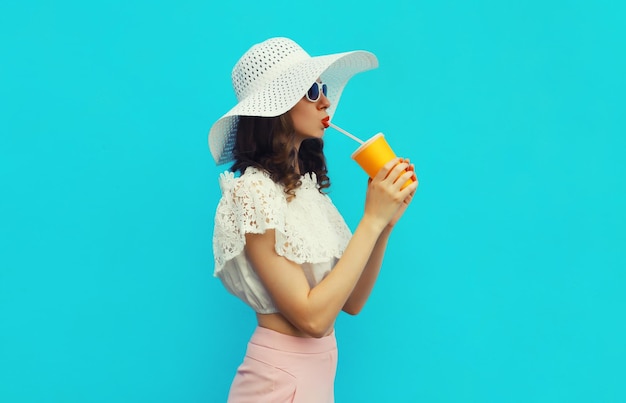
pixel 335 70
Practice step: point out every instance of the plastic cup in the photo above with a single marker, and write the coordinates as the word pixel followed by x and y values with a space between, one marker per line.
pixel 373 154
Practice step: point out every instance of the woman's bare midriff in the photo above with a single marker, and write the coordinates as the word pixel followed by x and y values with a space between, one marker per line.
pixel 278 323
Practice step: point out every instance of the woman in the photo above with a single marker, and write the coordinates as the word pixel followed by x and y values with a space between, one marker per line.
pixel 280 244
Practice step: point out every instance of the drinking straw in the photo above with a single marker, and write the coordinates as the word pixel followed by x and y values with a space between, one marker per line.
pixel 339 129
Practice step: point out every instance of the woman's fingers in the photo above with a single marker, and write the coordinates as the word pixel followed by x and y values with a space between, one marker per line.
pixel 394 169
pixel 410 190
pixel 385 194
pixel 404 177
pixel 396 173
pixel 383 173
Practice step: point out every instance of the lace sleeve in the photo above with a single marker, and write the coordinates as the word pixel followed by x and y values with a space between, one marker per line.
pixel 252 203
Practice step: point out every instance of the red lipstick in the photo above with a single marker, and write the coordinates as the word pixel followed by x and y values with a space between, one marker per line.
pixel 325 121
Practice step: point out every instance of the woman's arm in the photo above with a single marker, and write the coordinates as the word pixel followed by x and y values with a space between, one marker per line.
pixel 364 287
pixel 314 310
pixel 366 282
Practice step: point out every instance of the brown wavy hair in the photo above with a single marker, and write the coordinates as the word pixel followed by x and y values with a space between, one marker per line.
pixel 268 143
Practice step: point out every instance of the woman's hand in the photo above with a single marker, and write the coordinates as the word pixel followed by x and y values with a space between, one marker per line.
pixel 385 201
pixel 407 201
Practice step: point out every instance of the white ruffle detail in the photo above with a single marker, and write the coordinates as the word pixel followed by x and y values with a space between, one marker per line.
pixel 308 228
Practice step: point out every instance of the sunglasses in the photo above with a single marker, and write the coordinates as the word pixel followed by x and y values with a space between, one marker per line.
pixel 314 93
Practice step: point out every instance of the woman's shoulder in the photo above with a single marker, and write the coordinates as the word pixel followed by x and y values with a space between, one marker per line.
pixel 254 185
pixel 252 178
pixel 251 202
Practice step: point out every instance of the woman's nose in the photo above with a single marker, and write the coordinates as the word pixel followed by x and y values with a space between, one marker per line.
pixel 323 102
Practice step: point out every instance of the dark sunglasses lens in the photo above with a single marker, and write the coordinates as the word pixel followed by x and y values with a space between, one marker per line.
pixel 314 92
pixel 325 89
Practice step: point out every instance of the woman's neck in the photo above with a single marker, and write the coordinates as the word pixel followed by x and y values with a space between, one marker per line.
pixel 296 163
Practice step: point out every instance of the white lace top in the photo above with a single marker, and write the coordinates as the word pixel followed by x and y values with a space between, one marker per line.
pixel 309 231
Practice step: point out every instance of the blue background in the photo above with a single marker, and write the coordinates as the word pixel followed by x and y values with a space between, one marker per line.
pixel 504 282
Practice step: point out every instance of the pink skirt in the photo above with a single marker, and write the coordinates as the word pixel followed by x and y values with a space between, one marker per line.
pixel 279 368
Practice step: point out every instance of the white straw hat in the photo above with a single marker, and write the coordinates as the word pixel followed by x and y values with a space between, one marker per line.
pixel 272 76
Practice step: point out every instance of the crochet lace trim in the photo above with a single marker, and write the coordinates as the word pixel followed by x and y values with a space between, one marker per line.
pixel 308 228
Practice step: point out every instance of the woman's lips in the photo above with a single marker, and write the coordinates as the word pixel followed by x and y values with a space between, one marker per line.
pixel 325 121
